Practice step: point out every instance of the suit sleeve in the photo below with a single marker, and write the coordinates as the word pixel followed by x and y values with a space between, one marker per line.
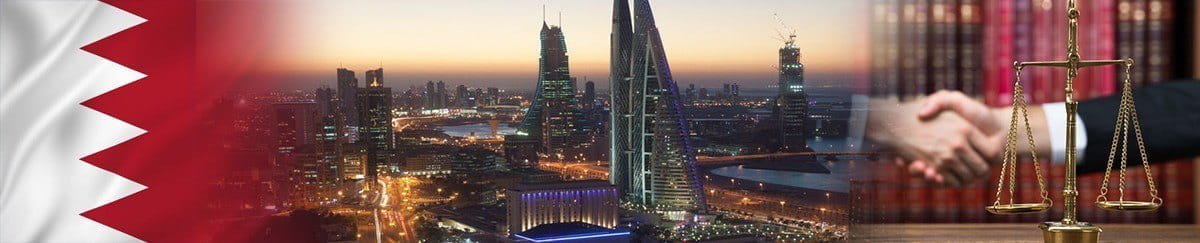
pixel 1169 114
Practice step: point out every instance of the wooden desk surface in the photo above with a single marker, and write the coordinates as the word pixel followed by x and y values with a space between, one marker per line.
pixel 1024 232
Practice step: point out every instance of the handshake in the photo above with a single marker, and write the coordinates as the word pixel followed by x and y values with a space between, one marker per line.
pixel 948 138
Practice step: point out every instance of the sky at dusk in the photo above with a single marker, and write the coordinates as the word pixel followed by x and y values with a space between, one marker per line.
pixel 495 42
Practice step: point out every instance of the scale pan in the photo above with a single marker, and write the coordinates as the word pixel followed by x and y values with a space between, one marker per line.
pixel 1018 208
pixel 1131 206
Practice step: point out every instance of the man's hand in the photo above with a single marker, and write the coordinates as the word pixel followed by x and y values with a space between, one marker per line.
pixel 944 148
pixel 987 120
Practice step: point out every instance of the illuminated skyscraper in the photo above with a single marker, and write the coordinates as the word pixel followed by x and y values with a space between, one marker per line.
pixel 375 75
pixel 554 117
pixel 791 109
pixel 327 143
pixel 652 161
pixel 347 89
pixel 376 133
pixel 294 157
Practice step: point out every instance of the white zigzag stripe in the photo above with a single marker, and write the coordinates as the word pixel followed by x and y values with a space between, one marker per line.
pixel 44 76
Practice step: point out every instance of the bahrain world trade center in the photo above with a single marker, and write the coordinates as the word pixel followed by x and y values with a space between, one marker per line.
pixel 652 163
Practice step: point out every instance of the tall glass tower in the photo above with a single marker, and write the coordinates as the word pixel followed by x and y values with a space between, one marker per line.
pixel 652 162
pixel 792 104
pixel 347 92
pixel 376 131
pixel 555 117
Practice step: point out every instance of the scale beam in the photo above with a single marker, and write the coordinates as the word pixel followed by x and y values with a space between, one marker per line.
pixel 1066 64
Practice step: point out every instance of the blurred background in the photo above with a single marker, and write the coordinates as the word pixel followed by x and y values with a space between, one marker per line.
pixel 921 46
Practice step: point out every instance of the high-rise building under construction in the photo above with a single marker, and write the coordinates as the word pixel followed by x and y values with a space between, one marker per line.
pixel 791 106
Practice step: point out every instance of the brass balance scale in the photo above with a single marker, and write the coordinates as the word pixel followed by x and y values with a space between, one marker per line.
pixel 1069 229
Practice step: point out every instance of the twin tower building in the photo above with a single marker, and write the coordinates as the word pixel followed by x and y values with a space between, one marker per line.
pixel 651 161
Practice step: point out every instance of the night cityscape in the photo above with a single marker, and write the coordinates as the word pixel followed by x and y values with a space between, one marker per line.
pixel 647 159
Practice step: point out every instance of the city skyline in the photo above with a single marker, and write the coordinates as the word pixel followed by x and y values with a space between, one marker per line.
pixel 494 43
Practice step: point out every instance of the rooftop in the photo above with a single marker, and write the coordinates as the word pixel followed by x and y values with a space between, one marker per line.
pixel 572 231
pixel 584 184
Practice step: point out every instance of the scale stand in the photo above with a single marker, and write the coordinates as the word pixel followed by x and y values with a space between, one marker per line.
pixel 1069 229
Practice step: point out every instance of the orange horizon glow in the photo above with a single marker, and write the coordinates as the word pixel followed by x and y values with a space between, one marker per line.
pixel 496 41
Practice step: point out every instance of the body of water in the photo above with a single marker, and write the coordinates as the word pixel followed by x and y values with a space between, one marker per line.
pixel 838 180
pixel 481 130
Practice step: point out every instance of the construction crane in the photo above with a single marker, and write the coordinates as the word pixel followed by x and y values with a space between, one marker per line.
pixel 784 33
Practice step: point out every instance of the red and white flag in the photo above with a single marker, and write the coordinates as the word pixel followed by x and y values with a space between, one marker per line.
pixel 46 128
pixel 115 120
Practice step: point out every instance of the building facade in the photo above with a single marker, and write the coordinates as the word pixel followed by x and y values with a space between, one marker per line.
pixel 521 150
pixel 347 93
pixel 555 118
pixel 375 131
pixel 530 205
pixel 294 158
pixel 791 106
pixel 474 161
pixel 432 160
pixel 652 162
pixel 328 143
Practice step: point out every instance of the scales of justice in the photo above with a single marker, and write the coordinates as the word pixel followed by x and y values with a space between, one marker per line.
pixel 1070 229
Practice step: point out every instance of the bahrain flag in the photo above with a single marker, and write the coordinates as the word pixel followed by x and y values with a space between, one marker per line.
pixel 115 120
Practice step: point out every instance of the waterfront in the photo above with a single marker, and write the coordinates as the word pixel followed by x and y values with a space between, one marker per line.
pixel 480 130
pixel 837 180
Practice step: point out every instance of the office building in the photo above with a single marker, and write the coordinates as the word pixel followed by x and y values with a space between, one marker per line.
pixel 652 162
pixel 443 98
pixel 554 117
pixel 347 89
pixel 589 95
pixel 474 161
pixel 791 106
pixel 376 132
pixel 530 205
pixel 430 97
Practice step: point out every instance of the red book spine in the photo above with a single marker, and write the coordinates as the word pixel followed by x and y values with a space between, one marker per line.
pixel 998 44
pixel 942 203
pixel 888 191
pixel 1044 48
pixel 916 198
pixel 973 199
pixel 1158 38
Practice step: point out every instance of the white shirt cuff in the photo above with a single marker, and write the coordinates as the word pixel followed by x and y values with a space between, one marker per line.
pixel 1056 122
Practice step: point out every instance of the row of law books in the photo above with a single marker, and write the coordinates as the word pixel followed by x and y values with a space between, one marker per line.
pixel 921 46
